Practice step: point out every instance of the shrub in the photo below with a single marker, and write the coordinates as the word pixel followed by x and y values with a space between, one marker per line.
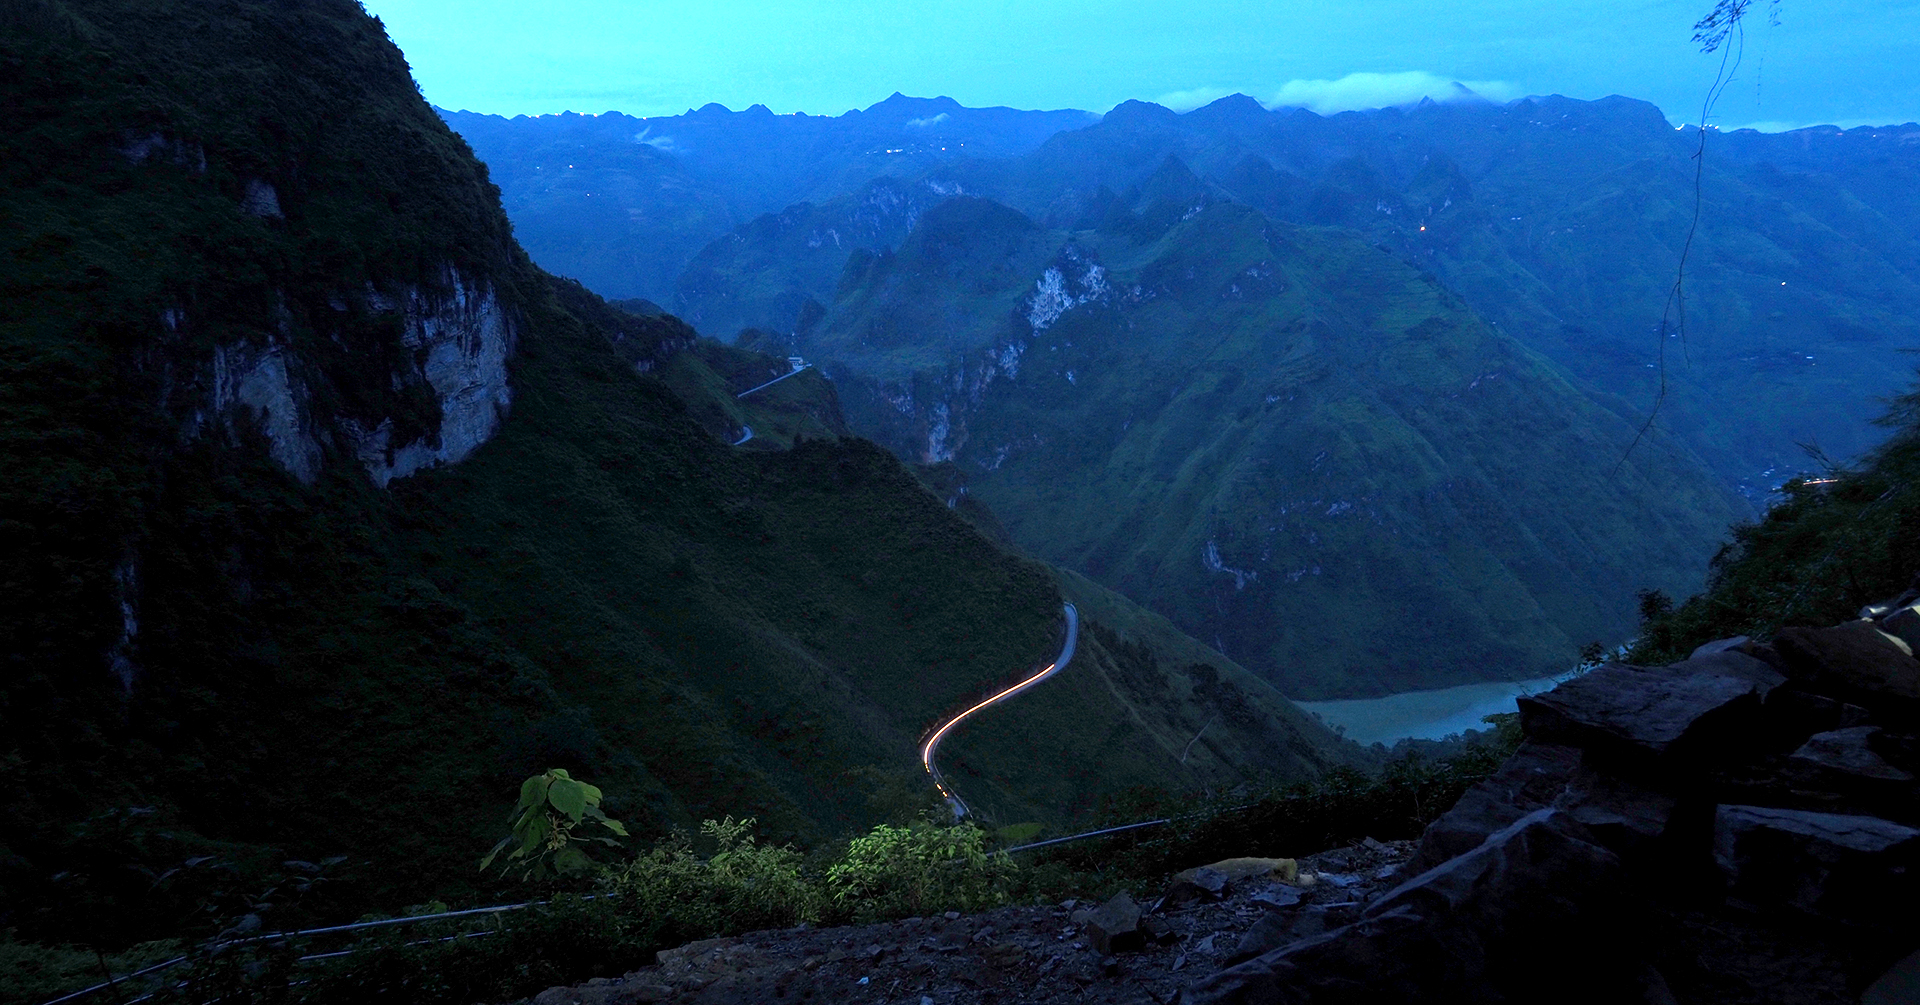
pixel 673 895
pixel 902 871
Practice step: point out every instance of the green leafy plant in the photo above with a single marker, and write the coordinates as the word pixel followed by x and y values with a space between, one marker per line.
pixel 894 871
pixel 547 822
pixel 677 895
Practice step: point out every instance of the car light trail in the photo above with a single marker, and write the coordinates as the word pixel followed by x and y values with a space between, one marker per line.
pixel 933 741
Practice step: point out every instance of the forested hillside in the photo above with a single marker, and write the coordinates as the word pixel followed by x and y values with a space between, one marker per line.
pixel 330 517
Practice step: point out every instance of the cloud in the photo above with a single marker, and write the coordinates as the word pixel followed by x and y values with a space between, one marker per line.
pixel 932 120
pixel 1378 90
pixel 1187 101
pixel 664 144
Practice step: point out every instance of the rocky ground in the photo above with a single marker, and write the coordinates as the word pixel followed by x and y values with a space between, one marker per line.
pixel 1118 952
pixel 1740 827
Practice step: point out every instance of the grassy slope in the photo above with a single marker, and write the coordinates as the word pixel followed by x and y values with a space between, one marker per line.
pixel 1319 413
pixel 604 586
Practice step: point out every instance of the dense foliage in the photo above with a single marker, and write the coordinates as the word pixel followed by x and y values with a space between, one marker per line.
pixel 1834 544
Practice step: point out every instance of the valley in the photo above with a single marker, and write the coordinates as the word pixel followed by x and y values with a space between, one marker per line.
pixel 818 550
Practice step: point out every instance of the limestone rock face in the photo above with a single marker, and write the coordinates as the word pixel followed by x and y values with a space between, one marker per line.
pixel 256 382
pixel 465 341
pixel 455 344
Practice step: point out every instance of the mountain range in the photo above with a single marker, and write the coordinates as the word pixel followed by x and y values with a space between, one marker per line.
pixel 1552 230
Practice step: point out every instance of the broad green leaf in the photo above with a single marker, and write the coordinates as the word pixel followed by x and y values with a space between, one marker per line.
pixel 535 835
pixel 571 859
pixel 615 826
pixel 568 796
pixel 533 792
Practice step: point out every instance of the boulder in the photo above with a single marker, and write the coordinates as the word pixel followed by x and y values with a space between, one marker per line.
pixel 1720 646
pixel 1626 818
pixel 1211 882
pixel 1738 662
pixel 1537 898
pixel 1533 778
pixel 1709 705
pixel 1903 624
pixel 1276 897
pixel 1845 759
pixel 1855 662
pixel 1114 927
pixel 1900 985
pixel 1794 713
pixel 1193 886
pixel 1842 867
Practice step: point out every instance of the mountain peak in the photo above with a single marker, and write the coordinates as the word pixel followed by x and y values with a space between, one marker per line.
pixel 1139 112
pixel 1233 106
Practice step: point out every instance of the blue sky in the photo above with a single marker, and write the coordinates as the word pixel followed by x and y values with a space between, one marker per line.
pixel 1844 61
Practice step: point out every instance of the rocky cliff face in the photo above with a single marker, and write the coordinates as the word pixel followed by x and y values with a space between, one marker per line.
pixel 454 346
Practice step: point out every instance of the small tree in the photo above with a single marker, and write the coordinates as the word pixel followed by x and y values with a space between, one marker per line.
pixel 546 836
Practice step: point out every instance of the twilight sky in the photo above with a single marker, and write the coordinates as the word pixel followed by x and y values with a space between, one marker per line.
pixel 1844 61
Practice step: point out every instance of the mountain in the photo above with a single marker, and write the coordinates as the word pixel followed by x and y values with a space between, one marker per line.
pixel 1560 221
pixel 330 517
pixel 1299 448
pixel 1563 222
pixel 623 203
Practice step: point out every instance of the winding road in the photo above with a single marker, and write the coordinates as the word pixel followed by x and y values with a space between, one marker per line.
pixel 932 743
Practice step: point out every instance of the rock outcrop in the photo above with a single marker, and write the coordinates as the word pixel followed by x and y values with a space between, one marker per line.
pixel 1737 827
pixel 453 345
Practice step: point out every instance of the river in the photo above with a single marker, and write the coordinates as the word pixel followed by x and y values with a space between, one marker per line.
pixel 1425 715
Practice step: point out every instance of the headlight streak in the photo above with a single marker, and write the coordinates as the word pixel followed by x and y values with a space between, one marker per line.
pixel 932 743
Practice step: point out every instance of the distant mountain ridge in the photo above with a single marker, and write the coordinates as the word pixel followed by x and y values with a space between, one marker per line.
pixel 622 203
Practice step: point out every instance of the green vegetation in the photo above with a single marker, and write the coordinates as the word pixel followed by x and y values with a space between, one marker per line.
pixel 899 872
pixel 1835 544
pixel 546 828
pixel 725 881
pixel 1303 450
